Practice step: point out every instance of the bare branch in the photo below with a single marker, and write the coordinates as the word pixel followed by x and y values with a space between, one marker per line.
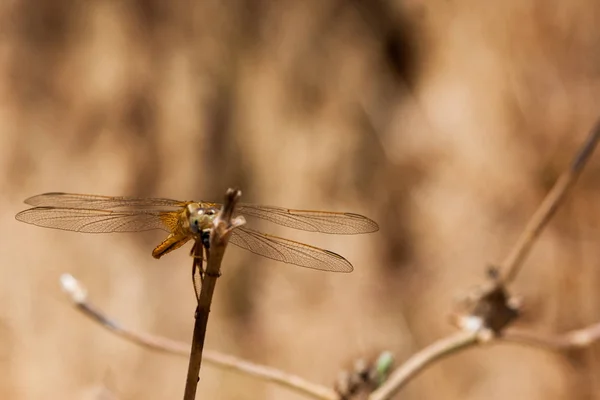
pixel 79 297
pixel 421 360
pixel 492 309
pixel 464 339
pixel 547 209
pixel 576 339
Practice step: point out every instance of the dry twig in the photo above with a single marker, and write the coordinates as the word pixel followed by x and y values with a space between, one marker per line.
pixel 514 259
pixel 493 309
pixel 78 296
pixel 571 340
pixel 462 340
pixel 576 339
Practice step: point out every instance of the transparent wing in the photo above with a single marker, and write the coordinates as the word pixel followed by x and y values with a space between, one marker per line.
pixel 312 221
pixel 87 201
pixel 98 221
pixel 289 251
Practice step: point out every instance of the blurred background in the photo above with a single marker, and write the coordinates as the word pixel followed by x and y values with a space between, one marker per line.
pixel 445 121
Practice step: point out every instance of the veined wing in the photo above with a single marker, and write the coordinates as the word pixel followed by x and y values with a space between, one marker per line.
pixel 289 251
pixel 88 201
pixel 99 221
pixel 313 221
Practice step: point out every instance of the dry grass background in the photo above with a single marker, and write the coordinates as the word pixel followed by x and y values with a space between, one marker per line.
pixel 445 121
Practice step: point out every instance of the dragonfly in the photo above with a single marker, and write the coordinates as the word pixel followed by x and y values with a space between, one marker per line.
pixel 187 220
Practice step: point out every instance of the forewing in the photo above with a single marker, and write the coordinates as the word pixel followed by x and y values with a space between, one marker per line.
pixel 87 201
pixel 312 221
pixel 289 251
pixel 98 221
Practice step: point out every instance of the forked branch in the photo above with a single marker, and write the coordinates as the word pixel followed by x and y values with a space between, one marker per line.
pixel 492 310
pixel 462 340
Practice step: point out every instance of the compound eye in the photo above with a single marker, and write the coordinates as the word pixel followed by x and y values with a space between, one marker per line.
pixel 195 224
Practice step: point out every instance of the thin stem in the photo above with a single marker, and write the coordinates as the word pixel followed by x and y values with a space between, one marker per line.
pixel 575 339
pixel 219 237
pixel 559 342
pixel 79 297
pixel 547 209
pixel 421 360
pixel 201 321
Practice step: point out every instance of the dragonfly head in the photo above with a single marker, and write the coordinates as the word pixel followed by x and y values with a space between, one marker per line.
pixel 200 218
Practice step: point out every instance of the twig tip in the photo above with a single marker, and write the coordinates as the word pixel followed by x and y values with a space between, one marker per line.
pixel 73 288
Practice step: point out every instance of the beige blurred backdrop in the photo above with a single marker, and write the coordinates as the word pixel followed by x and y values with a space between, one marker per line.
pixel 445 121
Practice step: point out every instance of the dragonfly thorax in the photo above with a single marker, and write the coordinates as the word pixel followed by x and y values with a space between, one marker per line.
pixel 200 218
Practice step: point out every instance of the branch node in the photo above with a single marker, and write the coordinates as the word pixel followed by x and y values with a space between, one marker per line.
pixel 488 309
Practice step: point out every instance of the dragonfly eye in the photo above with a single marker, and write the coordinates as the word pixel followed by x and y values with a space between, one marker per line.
pixel 200 218
pixel 195 223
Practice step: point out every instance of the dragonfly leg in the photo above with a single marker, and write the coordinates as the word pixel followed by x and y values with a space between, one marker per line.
pixel 205 236
pixel 197 283
pixel 193 253
pixel 172 242
pixel 197 266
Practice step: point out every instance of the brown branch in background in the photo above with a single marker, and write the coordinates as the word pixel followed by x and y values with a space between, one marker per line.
pixel 421 360
pixel 576 339
pixel 78 296
pixel 547 209
pixel 219 237
pixel 492 309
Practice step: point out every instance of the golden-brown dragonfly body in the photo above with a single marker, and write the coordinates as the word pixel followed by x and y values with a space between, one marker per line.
pixel 182 231
pixel 185 220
